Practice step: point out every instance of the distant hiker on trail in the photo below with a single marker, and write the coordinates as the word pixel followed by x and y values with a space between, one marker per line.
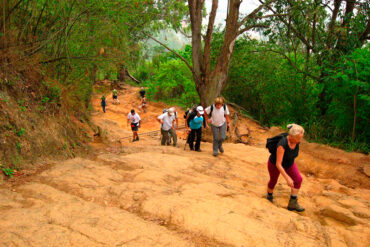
pixel 115 96
pixel 218 116
pixel 103 103
pixel 194 123
pixel 142 92
pixel 135 120
pixel 284 149
pixel 167 121
pixel 143 103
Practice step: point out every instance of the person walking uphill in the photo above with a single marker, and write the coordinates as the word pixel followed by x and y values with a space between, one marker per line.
pixel 103 103
pixel 167 120
pixel 218 116
pixel 135 120
pixel 281 161
pixel 195 124
pixel 115 96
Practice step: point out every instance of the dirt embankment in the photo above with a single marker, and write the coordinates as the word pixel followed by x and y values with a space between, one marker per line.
pixel 144 194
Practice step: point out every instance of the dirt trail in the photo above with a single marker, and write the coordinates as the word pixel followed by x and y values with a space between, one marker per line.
pixel 143 194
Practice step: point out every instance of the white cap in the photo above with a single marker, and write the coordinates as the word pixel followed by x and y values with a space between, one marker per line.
pixel 170 111
pixel 200 109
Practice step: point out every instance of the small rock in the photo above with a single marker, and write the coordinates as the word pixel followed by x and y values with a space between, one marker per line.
pixel 340 214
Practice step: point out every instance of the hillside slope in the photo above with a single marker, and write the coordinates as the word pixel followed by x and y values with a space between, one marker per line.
pixel 143 194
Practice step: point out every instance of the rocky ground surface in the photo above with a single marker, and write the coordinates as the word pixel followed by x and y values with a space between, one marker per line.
pixel 143 194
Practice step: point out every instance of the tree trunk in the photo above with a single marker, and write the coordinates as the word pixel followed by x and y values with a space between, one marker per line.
pixel 121 73
pixel 212 88
pixel 210 83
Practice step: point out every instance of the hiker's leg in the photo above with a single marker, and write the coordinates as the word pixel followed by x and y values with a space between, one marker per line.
pixel 103 108
pixel 174 136
pixel 293 172
pixel 199 137
pixel 191 139
pixel 215 134
pixel 274 176
pixel 222 135
pixel 164 137
pixel 293 204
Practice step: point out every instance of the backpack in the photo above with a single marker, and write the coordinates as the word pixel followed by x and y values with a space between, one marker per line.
pixel 192 115
pixel 271 143
pixel 210 114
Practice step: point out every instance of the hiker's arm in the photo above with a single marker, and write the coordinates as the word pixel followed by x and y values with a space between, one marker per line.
pixel 177 122
pixel 173 124
pixel 207 118
pixel 279 159
pixel 186 121
pixel 159 120
pixel 227 120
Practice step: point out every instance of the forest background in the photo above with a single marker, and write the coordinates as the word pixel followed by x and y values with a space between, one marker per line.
pixel 308 61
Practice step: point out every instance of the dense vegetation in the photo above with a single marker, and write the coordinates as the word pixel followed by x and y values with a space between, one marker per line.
pixel 310 66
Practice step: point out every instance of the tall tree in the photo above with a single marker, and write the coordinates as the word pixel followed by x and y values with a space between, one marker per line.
pixel 210 80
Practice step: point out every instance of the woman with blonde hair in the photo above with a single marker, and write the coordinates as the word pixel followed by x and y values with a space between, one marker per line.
pixel 281 161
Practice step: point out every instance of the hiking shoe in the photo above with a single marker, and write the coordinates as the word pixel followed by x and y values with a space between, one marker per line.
pixel 198 150
pixel 270 198
pixel 221 149
pixel 134 140
pixel 137 138
pixel 293 205
pixel 214 154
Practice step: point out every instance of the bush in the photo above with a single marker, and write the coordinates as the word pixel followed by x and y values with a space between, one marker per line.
pixel 174 84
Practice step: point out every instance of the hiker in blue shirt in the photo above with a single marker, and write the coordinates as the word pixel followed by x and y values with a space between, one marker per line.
pixel 195 123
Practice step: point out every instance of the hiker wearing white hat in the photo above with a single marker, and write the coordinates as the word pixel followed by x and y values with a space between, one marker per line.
pixel 195 123
pixel 167 120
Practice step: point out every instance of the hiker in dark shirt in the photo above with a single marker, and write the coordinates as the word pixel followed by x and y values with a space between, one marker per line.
pixel 142 92
pixel 103 103
pixel 282 162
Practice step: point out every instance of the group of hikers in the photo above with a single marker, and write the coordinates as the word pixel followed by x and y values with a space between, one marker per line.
pixel 284 148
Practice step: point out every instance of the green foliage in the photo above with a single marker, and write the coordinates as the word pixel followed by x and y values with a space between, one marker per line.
pixel 173 83
pixel 19 146
pixel 348 91
pixel 20 132
pixel 21 106
pixel 8 172
pixel 275 93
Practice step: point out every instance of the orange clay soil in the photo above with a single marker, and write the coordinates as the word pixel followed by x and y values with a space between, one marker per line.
pixel 143 194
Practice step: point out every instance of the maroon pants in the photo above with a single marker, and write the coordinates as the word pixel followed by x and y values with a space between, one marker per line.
pixel 291 171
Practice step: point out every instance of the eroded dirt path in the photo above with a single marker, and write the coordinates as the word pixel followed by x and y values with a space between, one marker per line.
pixel 143 194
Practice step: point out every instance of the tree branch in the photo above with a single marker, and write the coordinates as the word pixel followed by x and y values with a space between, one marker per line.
pixel 208 37
pixel 332 22
pixel 298 34
pixel 174 52
pixel 250 27
pixel 62 58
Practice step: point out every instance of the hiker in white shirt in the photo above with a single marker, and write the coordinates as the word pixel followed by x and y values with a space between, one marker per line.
pixel 167 120
pixel 135 120
pixel 218 116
